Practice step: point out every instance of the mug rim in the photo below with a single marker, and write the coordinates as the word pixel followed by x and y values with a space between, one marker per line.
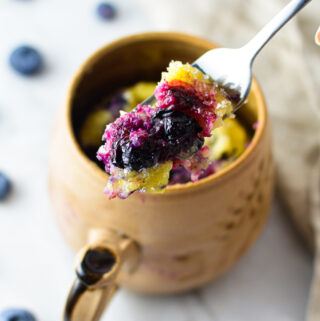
pixel 148 36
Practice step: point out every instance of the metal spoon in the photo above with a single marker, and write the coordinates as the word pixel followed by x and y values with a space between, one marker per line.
pixel 231 68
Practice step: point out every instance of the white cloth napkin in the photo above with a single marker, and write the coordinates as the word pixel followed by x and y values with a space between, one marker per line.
pixel 288 70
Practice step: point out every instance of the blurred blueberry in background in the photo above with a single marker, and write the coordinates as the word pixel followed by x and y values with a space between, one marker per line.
pixel 106 10
pixel 16 315
pixel 26 60
pixel 5 187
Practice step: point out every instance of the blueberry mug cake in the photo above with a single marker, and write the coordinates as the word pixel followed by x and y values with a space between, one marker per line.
pixel 182 137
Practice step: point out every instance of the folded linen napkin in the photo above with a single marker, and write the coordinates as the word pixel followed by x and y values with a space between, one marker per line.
pixel 289 70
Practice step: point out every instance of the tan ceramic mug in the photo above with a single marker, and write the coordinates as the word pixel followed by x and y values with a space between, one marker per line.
pixel 152 243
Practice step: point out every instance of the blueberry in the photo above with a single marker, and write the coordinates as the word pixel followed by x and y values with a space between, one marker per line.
pixel 26 60
pixel 137 158
pixel 180 131
pixel 172 134
pixel 177 125
pixel 106 11
pixel 126 155
pixel 5 186
pixel 16 315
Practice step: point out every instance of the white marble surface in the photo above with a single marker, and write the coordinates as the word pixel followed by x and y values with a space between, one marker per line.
pixel 270 283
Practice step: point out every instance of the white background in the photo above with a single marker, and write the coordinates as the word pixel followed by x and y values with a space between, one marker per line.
pixel 36 268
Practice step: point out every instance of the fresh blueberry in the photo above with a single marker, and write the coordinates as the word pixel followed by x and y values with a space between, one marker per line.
pixel 106 11
pixel 5 187
pixel 16 315
pixel 26 60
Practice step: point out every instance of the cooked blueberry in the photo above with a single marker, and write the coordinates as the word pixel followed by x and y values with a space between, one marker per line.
pixel 177 125
pixel 135 158
pixel 106 10
pixel 180 131
pixel 116 155
pixel 26 60
pixel 16 315
pixel 172 134
pixel 5 186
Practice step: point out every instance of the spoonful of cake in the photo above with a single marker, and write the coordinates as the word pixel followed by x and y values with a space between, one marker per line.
pixel 168 129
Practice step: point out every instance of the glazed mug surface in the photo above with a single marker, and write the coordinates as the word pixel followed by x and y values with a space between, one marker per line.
pixel 152 243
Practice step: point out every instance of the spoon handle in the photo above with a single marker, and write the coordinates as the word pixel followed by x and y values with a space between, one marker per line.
pixel 254 46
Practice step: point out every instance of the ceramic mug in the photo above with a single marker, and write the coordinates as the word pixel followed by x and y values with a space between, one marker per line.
pixel 152 243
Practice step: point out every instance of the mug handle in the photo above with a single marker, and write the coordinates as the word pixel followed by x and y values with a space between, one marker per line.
pixel 99 264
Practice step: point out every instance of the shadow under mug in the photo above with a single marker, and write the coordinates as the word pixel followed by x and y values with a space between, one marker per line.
pixel 152 243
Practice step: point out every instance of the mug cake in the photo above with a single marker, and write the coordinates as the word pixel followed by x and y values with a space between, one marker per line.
pixel 180 137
